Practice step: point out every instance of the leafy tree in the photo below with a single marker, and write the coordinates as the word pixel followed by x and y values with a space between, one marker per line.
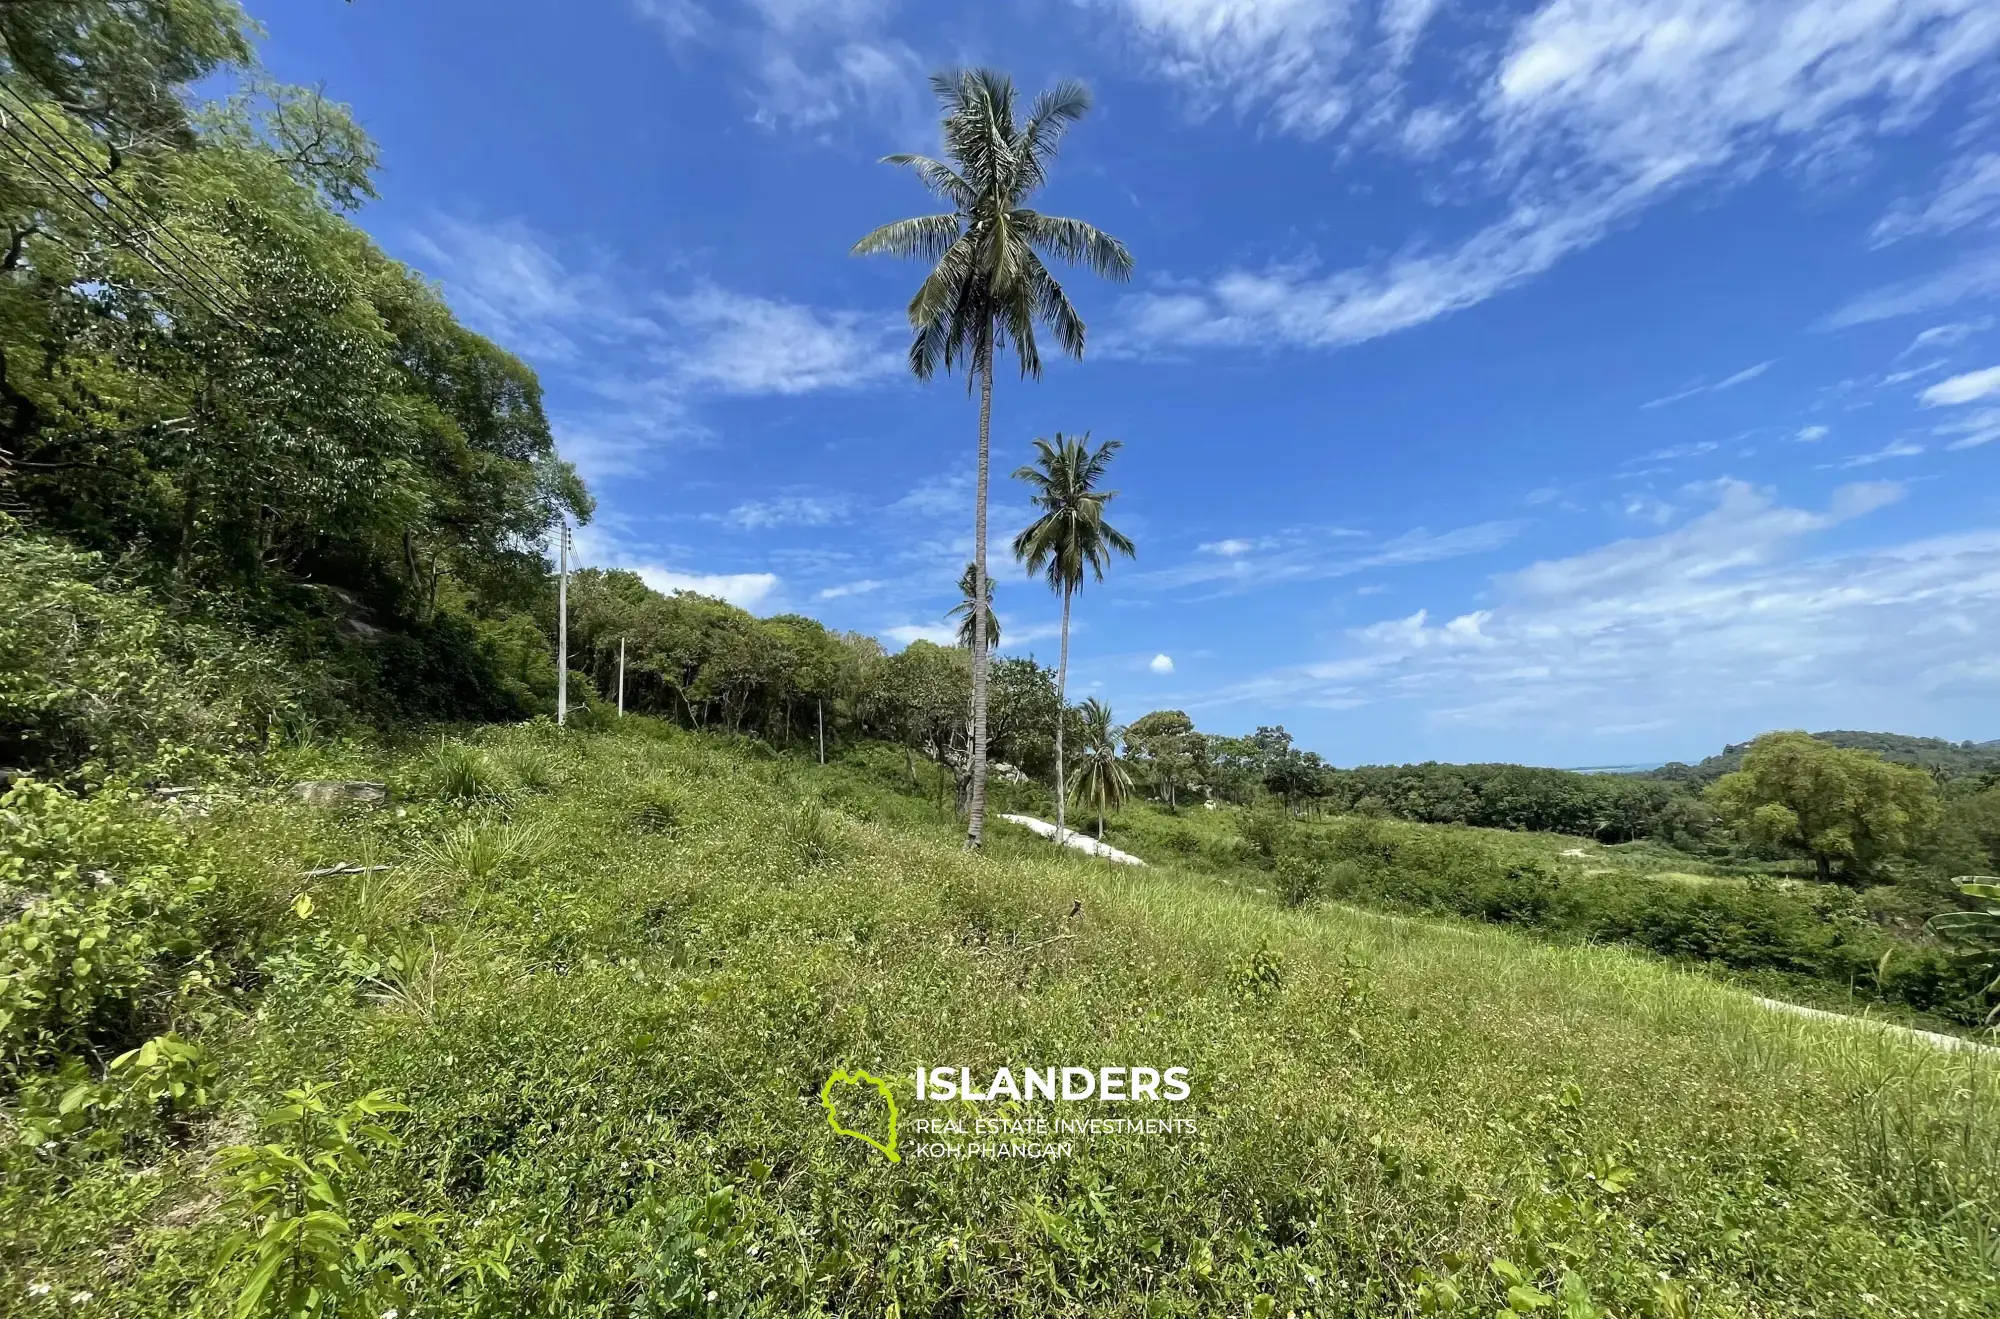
pixel 1100 780
pixel 1069 536
pixel 988 287
pixel 1166 743
pixel 1832 803
pixel 968 593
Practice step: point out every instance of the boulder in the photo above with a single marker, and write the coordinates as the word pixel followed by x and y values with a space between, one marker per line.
pixel 340 792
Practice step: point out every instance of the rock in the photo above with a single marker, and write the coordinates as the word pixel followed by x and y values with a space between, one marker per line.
pixel 340 792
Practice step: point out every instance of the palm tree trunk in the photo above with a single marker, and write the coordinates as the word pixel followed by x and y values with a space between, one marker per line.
pixel 1062 688
pixel 975 829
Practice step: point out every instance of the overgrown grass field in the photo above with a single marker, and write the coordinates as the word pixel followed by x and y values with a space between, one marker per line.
pixel 605 977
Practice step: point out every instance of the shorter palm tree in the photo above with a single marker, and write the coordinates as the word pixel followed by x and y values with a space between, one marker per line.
pixel 962 611
pixel 1100 781
pixel 1069 537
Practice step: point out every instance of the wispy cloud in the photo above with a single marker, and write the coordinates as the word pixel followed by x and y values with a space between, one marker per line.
pixel 1732 609
pixel 787 511
pixel 747 345
pixel 1595 111
pixel 845 589
pixel 1316 554
pixel 1967 388
pixel 635 366
pixel 1968 195
pixel 1947 335
pixel 1893 449
pixel 1744 376
pixel 810 63
pixel 1976 275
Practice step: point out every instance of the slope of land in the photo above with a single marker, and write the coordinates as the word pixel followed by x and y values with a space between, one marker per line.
pixel 610 976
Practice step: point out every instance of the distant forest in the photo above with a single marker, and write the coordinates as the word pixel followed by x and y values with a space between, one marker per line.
pixel 1950 759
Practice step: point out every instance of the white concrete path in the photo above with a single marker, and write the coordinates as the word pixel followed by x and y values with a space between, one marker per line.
pixel 1081 842
pixel 1930 1037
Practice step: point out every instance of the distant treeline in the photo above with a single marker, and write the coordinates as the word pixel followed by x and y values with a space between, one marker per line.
pixel 1610 808
pixel 1946 759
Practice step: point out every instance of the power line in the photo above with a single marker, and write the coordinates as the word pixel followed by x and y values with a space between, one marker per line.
pixel 66 153
pixel 201 283
pixel 177 278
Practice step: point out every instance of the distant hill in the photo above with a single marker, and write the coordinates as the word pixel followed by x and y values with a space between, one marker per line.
pixel 1957 759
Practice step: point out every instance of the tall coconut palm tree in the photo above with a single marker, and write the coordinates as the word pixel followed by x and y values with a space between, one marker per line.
pixel 1069 536
pixel 988 287
pixel 1100 779
pixel 962 611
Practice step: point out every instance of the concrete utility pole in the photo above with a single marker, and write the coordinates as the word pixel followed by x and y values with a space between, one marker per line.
pixel 820 705
pixel 562 629
pixel 621 677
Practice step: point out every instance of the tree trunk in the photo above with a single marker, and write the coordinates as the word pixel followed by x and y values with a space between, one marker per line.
pixel 1100 824
pixel 1824 867
pixel 975 828
pixel 1062 688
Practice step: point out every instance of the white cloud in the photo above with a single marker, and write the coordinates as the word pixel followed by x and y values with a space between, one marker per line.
pixel 1227 548
pixel 846 589
pixel 637 365
pixel 1811 434
pixel 1970 193
pixel 1596 110
pixel 1676 452
pixel 810 62
pixel 787 511
pixel 1731 610
pixel 1161 664
pixel 1972 430
pixel 941 634
pixel 746 589
pixel 600 546
pixel 748 345
pixel 1947 335
pixel 1248 54
pixel 1966 388
pixel 1893 449
pixel 1744 376
pixel 1974 276
pixel 1320 553
pixel 939 496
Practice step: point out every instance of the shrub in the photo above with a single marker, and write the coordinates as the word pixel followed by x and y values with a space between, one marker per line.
pixel 95 670
pixel 656 806
pixel 459 772
pixel 110 914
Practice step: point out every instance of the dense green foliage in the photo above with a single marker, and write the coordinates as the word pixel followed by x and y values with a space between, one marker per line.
pixel 1831 803
pixel 564 1057
pixel 207 371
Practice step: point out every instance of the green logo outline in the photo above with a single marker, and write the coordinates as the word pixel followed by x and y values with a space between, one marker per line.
pixel 857 1077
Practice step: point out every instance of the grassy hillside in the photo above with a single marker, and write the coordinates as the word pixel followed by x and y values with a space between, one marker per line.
pixel 608 975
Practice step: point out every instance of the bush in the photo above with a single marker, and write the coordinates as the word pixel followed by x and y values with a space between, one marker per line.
pixel 96 671
pixel 110 917
pixel 1819 932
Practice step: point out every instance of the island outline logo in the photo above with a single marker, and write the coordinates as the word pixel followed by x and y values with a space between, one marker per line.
pixel 861 1077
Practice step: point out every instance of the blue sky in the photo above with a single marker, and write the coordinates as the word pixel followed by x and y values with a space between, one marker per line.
pixel 1583 383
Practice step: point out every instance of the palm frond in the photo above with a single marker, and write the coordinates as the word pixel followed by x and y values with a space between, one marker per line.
pixel 1076 242
pixel 1054 111
pixel 1053 307
pixel 924 235
pixel 939 177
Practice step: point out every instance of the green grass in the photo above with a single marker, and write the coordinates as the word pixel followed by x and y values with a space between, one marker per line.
pixel 609 980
